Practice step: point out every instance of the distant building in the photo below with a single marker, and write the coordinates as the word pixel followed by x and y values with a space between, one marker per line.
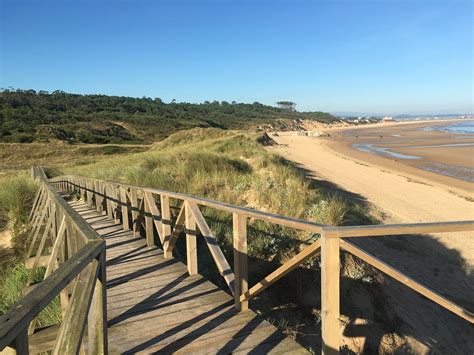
pixel 388 119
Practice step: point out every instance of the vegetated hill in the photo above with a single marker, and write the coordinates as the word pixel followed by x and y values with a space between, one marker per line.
pixel 27 116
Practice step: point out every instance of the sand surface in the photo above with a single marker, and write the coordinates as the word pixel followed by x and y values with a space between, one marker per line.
pixel 404 194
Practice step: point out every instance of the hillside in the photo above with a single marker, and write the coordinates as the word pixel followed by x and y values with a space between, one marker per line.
pixel 28 116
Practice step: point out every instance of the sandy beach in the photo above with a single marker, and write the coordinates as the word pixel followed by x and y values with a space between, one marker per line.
pixel 399 191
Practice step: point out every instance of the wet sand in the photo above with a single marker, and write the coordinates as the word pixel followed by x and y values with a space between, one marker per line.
pixel 450 155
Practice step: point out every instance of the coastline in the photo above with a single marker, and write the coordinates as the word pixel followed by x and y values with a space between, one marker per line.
pixel 402 193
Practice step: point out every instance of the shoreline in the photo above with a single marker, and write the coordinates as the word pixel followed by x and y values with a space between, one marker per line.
pixel 401 193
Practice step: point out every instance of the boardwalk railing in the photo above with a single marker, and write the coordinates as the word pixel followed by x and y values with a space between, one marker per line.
pixel 140 208
pixel 75 272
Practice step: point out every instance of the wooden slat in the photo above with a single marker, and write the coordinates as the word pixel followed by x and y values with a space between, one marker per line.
pixel 150 200
pixel 39 251
pixel 330 329
pixel 166 225
pixel 399 229
pixel 72 328
pixel 191 242
pixel 240 260
pixel 211 241
pixel 169 243
pixel 408 281
pixel 288 266
pixel 124 203
pixel 57 244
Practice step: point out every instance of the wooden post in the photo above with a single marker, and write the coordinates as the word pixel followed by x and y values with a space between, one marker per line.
pixel 330 330
pixel 150 239
pixel 124 203
pixel 97 318
pixel 240 261
pixel 98 198
pixel 166 223
pixel 21 343
pixel 191 245
pixel 135 212
pixel 108 194
pixel 115 203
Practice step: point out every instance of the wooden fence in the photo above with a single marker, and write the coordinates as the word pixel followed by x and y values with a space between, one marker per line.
pixel 137 207
pixel 75 272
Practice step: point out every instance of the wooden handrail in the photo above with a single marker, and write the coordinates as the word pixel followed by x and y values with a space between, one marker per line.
pixel 399 229
pixel 222 206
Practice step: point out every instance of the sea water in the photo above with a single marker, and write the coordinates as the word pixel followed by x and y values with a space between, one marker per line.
pixel 461 127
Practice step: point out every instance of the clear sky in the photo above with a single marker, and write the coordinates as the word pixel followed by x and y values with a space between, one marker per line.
pixel 400 56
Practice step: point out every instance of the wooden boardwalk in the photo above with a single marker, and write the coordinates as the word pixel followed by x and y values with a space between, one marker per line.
pixel 153 305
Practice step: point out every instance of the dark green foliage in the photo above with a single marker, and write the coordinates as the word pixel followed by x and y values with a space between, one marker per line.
pixel 26 116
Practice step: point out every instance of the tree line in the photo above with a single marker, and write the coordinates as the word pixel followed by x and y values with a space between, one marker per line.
pixel 29 115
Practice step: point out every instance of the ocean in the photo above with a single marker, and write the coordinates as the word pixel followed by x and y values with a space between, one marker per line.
pixel 462 127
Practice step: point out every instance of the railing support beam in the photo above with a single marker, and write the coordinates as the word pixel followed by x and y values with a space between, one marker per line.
pixel 330 294
pixel 240 261
pixel 191 245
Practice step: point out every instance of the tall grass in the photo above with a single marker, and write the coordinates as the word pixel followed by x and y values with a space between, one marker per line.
pixel 16 197
pixel 12 285
pixel 230 167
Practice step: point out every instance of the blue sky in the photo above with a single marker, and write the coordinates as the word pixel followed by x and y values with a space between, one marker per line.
pixel 400 56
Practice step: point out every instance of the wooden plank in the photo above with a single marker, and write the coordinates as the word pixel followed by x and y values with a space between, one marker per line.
pixel 21 342
pixel 124 213
pixel 155 213
pixel 108 202
pixel 178 228
pixel 330 329
pixel 240 260
pixel 191 244
pixel 166 224
pixel 35 202
pixel 36 231
pixel 40 248
pixel 211 241
pixel 409 282
pixel 290 265
pixel 135 211
pixel 97 317
pixel 150 238
pixel 57 243
pixel 72 328
pixel 398 229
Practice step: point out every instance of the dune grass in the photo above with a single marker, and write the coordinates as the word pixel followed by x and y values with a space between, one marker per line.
pixel 17 193
pixel 233 167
